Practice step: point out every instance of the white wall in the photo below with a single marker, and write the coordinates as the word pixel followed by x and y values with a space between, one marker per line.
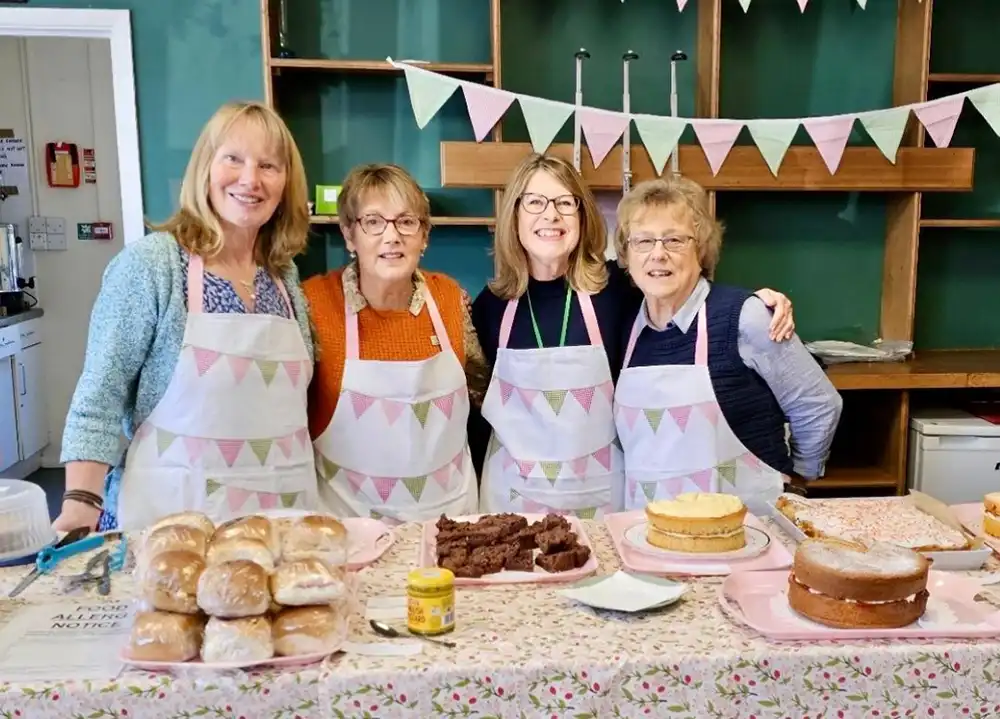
pixel 60 89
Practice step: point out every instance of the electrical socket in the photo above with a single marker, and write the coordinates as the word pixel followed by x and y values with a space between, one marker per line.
pixel 55 226
pixel 38 240
pixel 56 242
pixel 36 224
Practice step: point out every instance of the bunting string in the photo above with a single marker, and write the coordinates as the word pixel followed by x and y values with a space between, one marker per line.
pixel 602 129
pixel 745 4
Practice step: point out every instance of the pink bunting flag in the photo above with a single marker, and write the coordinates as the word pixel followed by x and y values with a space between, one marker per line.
pixel 236 498
pixel 585 396
pixel 607 389
pixel 458 460
pixel 681 4
pixel 441 476
pixel 506 390
pixel 285 445
pixel 527 396
pixel 579 466
pixel 445 403
pixel 630 415
pixel 603 456
pixel 703 479
pixel 239 366
pixel 672 486
pixel 940 117
pixel 302 435
pixel 752 461
pixel 384 485
pixel 486 106
pixel 392 410
pixel 802 5
pixel 532 507
pixel 230 449
pixel 356 480
pixel 142 431
pixel 681 415
pixel 195 447
pixel 711 411
pixel 360 402
pixel 830 135
pixel 524 466
pixel 267 500
pixel 602 129
pixel 630 483
pixel 506 461
pixel 716 138
pixel 293 368
pixel 204 359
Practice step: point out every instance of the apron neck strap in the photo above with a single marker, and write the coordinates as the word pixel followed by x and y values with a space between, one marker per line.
pixel 700 343
pixel 586 307
pixel 353 341
pixel 196 287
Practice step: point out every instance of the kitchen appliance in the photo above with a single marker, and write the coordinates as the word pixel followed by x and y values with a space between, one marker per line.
pixel 12 272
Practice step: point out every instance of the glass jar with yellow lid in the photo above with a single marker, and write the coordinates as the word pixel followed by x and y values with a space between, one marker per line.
pixel 430 602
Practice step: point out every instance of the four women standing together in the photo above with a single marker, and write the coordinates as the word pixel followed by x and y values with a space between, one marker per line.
pixel 208 382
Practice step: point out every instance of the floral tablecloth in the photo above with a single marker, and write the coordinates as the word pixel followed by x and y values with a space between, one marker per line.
pixel 526 652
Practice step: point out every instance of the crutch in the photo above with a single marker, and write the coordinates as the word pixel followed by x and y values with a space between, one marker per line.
pixel 626 136
pixel 677 57
pixel 581 55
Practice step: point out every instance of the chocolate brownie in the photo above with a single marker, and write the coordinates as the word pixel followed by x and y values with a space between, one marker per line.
pixel 555 540
pixel 564 561
pixel 492 559
pixel 520 561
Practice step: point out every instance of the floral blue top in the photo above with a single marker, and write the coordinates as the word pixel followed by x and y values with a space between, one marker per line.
pixel 221 297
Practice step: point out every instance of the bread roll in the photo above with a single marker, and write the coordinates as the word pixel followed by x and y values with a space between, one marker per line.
pixel 230 590
pixel 233 548
pixel 253 527
pixel 170 581
pixel 317 536
pixel 307 581
pixel 165 637
pixel 175 537
pixel 237 640
pixel 308 630
pixel 195 520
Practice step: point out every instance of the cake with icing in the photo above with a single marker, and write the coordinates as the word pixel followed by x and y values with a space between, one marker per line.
pixel 991 514
pixel 697 522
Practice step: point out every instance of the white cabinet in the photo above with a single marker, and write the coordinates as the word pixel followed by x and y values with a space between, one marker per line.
pixel 31 429
pixel 22 399
pixel 9 445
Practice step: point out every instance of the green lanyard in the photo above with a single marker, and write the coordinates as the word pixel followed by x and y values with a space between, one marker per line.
pixel 565 322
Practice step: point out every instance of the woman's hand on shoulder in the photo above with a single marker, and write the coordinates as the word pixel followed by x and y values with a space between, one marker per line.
pixel 783 322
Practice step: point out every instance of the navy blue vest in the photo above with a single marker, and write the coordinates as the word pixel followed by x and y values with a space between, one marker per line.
pixel 745 399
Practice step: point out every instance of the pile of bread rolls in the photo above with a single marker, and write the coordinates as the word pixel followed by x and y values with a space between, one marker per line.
pixel 243 592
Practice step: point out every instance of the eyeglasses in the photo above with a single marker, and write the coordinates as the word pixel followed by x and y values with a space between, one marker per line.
pixel 375 225
pixel 645 245
pixel 537 204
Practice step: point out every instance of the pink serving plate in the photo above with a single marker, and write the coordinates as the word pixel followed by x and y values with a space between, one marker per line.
pixel 368 539
pixel 774 557
pixel 760 600
pixel 428 557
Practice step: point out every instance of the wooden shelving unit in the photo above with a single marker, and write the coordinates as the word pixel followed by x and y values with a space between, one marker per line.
pixel 380 67
pixel 963 78
pixel 435 221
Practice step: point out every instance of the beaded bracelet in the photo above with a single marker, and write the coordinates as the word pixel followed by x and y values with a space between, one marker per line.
pixel 84 497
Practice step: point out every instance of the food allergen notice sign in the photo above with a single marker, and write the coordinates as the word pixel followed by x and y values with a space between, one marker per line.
pixel 44 642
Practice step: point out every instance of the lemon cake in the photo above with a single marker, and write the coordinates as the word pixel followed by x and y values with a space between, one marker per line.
pixel 991 514
pixel 697 522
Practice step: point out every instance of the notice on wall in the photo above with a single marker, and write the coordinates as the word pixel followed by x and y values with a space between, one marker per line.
pixel 89 166
pixel 13 164
pixel 44 642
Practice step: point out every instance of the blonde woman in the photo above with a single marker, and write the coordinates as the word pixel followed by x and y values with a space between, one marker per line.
pixel 397 359
pixel 200 347
pixel 550 324
pixel 699 356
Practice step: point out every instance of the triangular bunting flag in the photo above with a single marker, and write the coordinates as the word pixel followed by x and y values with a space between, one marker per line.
pixel 204 359
pixel 506 460
pixel 745 4
pixel 441 476
pixel 195 447
pixel 293 368
pixel 727 471
pixel 142 431
pixel 631 413
pixel 458 460
pixel 445 403
pixel 703 479
pixel 486 106
pixel 524 467
pixel 584 396
pixel 267 500
pixel 603 456
pixel 830 135
pixel 579 466
pixel 802 5
pixel 163 440
pixel 653 416
pixel 514 494
pixel 416 486
pixel 239 366
pixel 236 498
pixel 987 101
pixel 420 411
pixel 383 485
pixel 940 117
pixel 289 499
pixel 392 409
pixel 527 396
pixel 429 91
pixel 711 411
pixel 886 128
pixel 602 129
pixel 607 389
pixel 660 136
pixel 360 402
pixel 375 515
pixel 716 138
pixel 681 415
pixel 617 443
pixel 863 4
pixel 261 448
pixel 356 481
pixel 328 469
pixel 268 368
pixel 752 461
pixel 506 390
pixel 551 471
pixel 649 489
pixel 493 448
pixel 212 486
pixel 555 398
pixel 586 513
pixel 544 119
pixel 230 449
pixel 773 137
pixel 681 4
pixel 303 435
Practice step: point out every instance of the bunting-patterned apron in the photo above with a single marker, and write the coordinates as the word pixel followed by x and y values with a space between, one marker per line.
pixel 396 447
pixel 676 438
pixel 230 435
pixel 553 447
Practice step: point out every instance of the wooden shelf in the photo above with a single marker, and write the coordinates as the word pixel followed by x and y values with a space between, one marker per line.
pixel 959 223
pixel 974 78
pixel 852 478
pixel 933 369
pixel 436 221
pixel 378 66
pixel 489 164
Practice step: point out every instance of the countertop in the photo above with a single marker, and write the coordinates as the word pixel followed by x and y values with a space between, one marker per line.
pixel 17 319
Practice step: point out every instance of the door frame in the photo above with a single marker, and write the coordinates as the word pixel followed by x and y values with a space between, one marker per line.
pixel 114 26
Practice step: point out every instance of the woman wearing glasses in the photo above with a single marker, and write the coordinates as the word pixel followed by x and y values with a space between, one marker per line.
pixel 396 360
pixel 705 392
pixel 550 323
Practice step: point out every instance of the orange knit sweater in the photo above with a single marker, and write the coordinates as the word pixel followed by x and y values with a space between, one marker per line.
pixel 392 335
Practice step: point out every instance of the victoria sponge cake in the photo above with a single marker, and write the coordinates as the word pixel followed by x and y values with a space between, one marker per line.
pixel 850 585
pixel 991 514
pixel 697 522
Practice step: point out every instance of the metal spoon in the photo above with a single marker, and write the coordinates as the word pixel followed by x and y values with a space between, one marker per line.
pixel 386 631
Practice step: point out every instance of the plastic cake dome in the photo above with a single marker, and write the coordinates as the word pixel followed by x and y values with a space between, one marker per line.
pixel 25 527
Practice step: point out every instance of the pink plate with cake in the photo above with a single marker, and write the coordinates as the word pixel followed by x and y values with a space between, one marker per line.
pixel 760 601
pixel 565 544
pixel 773 556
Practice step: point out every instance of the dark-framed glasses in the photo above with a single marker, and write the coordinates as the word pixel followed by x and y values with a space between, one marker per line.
pixel 644 244
pixel 375 225
pixel 537 204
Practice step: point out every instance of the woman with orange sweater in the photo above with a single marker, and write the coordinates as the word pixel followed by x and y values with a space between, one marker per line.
pixel 396 361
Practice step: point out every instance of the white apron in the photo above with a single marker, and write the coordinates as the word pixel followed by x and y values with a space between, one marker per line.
pixel 396 447
pixel 553 447
pixel 230 436
pixel 676 438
